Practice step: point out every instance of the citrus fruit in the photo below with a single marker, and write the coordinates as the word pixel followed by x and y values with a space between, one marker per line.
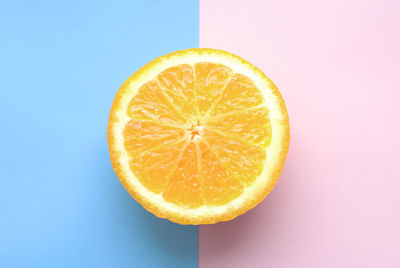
pixel 198 136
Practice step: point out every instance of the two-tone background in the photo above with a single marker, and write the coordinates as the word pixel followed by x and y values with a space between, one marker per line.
pixel 337 64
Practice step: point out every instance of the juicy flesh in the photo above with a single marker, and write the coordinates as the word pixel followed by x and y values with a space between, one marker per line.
pixel 197 134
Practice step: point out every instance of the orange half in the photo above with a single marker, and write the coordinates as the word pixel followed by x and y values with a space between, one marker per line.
pixel 198 136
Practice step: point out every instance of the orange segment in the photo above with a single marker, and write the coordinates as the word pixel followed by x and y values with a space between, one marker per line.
pixel 244 161
pixel 210 81
pixel 251 125
pixel 239 94
pixel 219 184
pixel 141 136
pixel 153 167
pixel 150 103
pixel 184 184
pixel 178 84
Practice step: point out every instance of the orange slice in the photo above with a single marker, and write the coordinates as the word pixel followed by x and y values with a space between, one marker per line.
pixel 198 136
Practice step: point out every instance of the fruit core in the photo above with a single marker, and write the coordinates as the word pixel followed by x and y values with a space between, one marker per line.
pixel 195 131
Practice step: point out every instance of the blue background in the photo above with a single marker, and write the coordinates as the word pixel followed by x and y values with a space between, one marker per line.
pixel 61 64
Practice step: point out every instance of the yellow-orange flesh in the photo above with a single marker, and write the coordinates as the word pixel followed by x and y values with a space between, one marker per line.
pixel 197 134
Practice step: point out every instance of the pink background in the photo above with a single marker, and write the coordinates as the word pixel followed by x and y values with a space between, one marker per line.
pixel 337 64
